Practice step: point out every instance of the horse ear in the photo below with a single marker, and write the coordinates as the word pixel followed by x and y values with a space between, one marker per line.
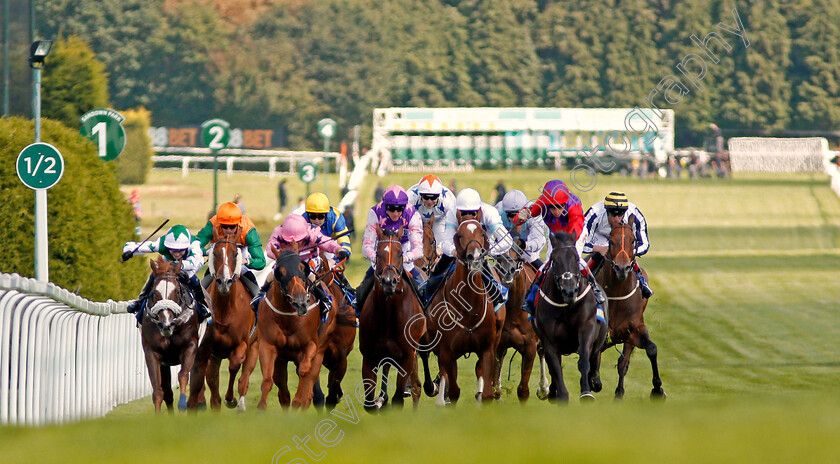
pixel 153 265
pixel 177 267
pixel 574 236
pixel 400 231
pixel 276 250
pixel 458 216
pixel 479 214
pixel 553 239
pixel 378 231
pixel 432 220
pixel 295 246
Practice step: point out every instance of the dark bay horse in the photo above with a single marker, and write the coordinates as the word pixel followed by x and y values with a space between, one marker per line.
pixel 565 319
pixel 169 333
pixel 287 328
pixel 518 332
pixel 627 307
pixel 461 317
pixel 391 325
pixel 430 254
pixel 229 334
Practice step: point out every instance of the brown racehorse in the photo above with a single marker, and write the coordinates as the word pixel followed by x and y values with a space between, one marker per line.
pixel 169 333
pixel 287 325
pixel 518 332
pixel 565 319
pixel 391 325
pixel 336 341
pixel 430 254
pixel 627 307
pixel 461 317
pixel 228 335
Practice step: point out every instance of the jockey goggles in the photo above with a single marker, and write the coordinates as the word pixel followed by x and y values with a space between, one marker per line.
pixel 228 226
pixel 430 196
pixel 511 214
pixel 317 215
pixel 560 207
pixel 469 213
pixel 393 208
pixel 616 212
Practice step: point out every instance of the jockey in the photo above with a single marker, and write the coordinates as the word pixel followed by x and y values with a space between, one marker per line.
pixel 561 211
pixel 227 219
pixel 430 198
pixel 468 203
pixel 320 214
pixel 176 245
pixel 533 230
pixel 295 229
pixel 599 221
pixel 391 213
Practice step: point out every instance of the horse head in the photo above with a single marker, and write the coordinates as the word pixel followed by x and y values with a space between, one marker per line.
pixel 621 252
pixel 166 301
pixel 471 241
pixel 564 264
pixel 290 276
pixel 430 254
pixel 389 259
pixel 508 266
pixel 225 264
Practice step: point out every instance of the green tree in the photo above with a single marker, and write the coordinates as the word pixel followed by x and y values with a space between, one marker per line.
pixel 134 163
pixel 74 82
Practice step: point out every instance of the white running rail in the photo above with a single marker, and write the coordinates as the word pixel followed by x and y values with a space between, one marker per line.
pixel 64 358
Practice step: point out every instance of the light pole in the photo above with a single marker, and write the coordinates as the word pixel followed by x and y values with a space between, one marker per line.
pixel 37 53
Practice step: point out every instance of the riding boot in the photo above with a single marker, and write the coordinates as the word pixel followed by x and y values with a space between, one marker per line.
pixel 437 277
pixel 363 290
pixel 342 282
pixel 255 302
pixel 495 290
pixel 595 262
pixel 537 263
pixel 250 280
pixel 646 291
pixel 135 305
pixel 201 302
pixel 529 303
pixel 599 295
pixel 324 299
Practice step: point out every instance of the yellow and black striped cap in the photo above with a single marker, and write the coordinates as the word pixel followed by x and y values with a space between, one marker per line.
pixel 616 200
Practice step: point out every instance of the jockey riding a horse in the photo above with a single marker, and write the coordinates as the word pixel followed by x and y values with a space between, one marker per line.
pixel 561 211
pixel 295 230
pixel 468 203
pixel 531 237
pixel 227 219
pixel 391 213
pixel 332 224
pixel 176 245
pixel 430 198
pixel 600 220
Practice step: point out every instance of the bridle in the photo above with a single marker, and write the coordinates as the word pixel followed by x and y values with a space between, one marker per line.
pixel 430 258
pixel 461 257
pixel 390 263
pixel 296 281
pixel 211 265
pixel 631 255
pixel 561 278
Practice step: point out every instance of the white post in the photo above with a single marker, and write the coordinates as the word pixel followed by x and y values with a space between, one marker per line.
pixel 41 260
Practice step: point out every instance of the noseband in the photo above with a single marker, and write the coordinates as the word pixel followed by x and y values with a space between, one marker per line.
pixel 166 303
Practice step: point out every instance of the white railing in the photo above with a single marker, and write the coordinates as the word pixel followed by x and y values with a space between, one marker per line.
pixel 227 157
pixel 62 357
pixel 833 171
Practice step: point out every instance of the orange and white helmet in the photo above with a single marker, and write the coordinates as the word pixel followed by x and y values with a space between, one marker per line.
pixel 294 229
pixel 430 185
pixel 229 214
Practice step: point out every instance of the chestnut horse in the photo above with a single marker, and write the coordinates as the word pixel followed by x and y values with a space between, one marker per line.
pixel 627 307
pixel 430 254
pixel 169 333
pixel 287 328
pixel 461 318
pixel 391 325
pixel 518 332
pixel 228 335
pixel 565 319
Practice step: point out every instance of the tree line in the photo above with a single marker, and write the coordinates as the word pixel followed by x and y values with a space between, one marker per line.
pixel 289 63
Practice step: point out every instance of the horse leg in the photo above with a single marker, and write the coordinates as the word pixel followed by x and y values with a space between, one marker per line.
pixel 555 369
pixel 488 363
pixel 623 364
pixel 382 399
pixel 268 355
pixel 650 349
pixel 198 374
pixel 402 378
pixel 542 391
pixel 497 371
pixel 187 361
pixel 479 379
pixel 444 367
pixel 251 357
pixel 452 372
pixel 237 357
pixel 429 387
pixel 415 382
pixel 308 370
pixel 585 350
pixel 334 382
pixel 369 382
pixel 281 379
pixel 528 353
pixel 166 385
pixel 154 367
pixel 595 371
pixel 213 366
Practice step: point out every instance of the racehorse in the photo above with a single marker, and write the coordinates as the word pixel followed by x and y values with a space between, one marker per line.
pixel 169 333
pixel 430 254
pixel 461 315
pixel 287 328
pixel 565 319
pixel 336 340
pixel 517 333
pixel 627 307
pixel 391 324
pixel 229 334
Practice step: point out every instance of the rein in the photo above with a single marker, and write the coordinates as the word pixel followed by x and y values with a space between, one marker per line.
pixel 627 295
pixel 561 305
pixel 289 298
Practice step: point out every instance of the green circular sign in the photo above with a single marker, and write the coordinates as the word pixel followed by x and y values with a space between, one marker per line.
pixel 327 128
pixel 215 134
pixel 40 166
pixel 307 172
pixel 103 126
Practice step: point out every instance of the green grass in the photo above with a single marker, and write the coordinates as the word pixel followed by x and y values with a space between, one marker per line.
pixel 745 318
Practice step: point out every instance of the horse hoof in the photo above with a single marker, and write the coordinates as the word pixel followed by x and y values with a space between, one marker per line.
pixel 587 397
pixel 542 394
pixel 657 394
pixel 202 406
pixel 240 406
pixel 430 389
pixel 182 402
pixel 596 385
pixel 231 403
